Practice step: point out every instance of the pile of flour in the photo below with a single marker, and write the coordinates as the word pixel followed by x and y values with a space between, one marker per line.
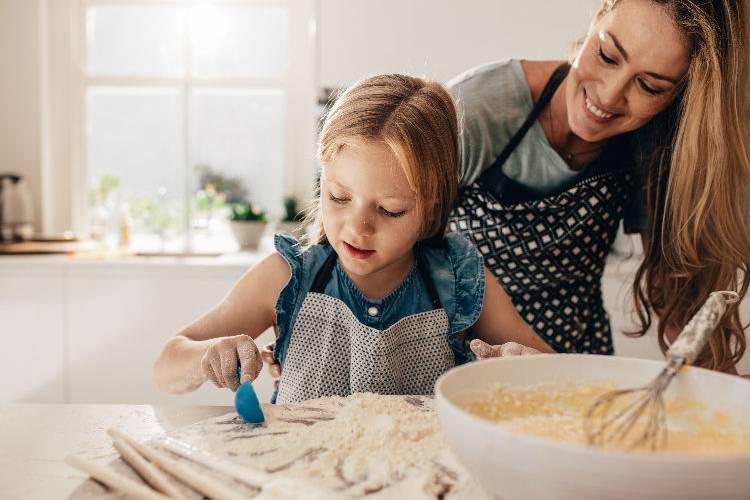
pixel 365 444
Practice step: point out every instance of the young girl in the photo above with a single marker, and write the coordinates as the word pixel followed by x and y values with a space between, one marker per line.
pixel 384 300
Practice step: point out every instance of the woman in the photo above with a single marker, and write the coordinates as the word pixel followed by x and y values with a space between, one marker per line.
pixel 647 124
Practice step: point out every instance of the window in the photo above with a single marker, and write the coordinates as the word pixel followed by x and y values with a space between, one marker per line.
pixel 188 107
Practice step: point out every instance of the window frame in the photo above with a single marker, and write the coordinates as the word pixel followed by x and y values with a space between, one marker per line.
pixel 67 125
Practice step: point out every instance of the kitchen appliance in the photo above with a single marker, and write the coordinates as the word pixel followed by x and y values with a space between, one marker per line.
pixel 517 466
pixel 16 209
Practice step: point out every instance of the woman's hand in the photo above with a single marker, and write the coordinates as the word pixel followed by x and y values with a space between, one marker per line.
pixel 274 368
pixel 499 323
pixel 219 362
pixel 483 350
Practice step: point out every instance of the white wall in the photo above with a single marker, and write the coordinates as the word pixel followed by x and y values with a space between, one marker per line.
pixel 355 38
pixel 20 102
pixel 440 39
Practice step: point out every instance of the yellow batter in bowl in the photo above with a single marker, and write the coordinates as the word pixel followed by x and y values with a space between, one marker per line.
pixel 556 411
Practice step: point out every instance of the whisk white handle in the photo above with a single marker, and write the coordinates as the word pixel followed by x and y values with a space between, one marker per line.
pixel 699 329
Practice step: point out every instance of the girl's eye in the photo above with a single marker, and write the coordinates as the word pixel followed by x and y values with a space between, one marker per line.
pixel 603 57
pixel 648 89
pixel 334 199
pixel 388 213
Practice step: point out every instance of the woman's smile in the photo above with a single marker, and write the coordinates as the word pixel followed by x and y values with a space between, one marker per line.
pixel 596 113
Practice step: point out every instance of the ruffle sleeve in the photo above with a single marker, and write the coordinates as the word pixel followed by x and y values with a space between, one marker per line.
pixel 457 269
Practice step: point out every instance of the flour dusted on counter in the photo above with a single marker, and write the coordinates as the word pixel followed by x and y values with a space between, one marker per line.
pixel 365 444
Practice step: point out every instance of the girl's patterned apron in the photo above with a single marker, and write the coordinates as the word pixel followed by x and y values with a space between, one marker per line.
pixel 548 251
pixel 331 353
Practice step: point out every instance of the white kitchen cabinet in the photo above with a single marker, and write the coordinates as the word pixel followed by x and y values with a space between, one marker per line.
pixel 32 328
pixel 79 331
pixel 119 318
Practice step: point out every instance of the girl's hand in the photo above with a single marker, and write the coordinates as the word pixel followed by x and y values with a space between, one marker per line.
pixel 483 350
pixel 219 362
pixel 274 368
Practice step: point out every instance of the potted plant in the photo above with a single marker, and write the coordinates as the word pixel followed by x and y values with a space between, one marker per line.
pixel 101 206
pixel 293 221
pixel 248 223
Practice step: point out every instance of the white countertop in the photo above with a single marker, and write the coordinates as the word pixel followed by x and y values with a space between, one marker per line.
pixel 35 439
pixel 124 260
pixel 99 260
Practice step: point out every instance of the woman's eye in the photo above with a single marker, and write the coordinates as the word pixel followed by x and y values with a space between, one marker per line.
pixel 649 89
pixel 336 199
pixel 603 57
pixel 388 213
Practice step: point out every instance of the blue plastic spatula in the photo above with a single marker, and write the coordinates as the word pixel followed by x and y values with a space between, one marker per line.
pixel 246 402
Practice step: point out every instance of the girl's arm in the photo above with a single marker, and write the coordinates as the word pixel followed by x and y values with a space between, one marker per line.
pixel 500 322
pixel 212 346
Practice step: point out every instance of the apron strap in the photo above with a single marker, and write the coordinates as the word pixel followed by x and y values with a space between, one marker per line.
pixel 493 179
pixel 324 276
pixel 425 273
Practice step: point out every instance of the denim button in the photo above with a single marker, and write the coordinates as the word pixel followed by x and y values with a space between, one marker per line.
pixel 372 311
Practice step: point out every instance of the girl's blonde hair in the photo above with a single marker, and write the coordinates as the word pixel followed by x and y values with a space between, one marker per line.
pixel 417 120
pixel 698 174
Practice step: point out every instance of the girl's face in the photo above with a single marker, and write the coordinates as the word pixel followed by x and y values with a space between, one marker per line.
pixel 626 72
pixel 369 212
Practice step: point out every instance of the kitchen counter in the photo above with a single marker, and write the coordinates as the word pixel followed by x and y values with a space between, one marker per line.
pixel 123 261
pixel 35 439
pixel 387 446
pixel 91 258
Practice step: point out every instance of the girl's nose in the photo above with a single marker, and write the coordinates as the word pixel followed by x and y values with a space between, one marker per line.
pixel 362 223
pixel 365 226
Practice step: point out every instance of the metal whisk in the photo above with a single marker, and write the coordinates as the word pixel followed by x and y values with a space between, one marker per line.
pixel 605 423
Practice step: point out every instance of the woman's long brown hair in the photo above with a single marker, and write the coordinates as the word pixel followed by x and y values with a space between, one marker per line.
pixel 698 173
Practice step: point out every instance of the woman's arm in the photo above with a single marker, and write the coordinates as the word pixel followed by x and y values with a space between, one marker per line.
pixel 185 362
pixel 500 322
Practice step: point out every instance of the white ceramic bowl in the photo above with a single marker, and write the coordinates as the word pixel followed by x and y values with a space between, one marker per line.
pixel 517 466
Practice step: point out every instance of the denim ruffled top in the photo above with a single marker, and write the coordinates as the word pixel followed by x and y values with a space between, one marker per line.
pixel 454 264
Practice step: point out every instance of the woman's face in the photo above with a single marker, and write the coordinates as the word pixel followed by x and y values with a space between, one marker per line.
pixel 626 72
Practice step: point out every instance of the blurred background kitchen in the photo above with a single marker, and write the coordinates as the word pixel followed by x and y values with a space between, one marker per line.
pixel 149 148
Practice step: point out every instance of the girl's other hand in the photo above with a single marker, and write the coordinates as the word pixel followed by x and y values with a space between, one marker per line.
pixel 483 350
pixel 219 362
pixel 274 368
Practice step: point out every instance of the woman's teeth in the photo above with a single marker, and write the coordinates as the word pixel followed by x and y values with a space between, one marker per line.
pixel 596 111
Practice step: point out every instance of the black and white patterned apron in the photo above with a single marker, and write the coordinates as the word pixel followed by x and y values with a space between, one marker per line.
pixel 332 353
pixel 548 251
